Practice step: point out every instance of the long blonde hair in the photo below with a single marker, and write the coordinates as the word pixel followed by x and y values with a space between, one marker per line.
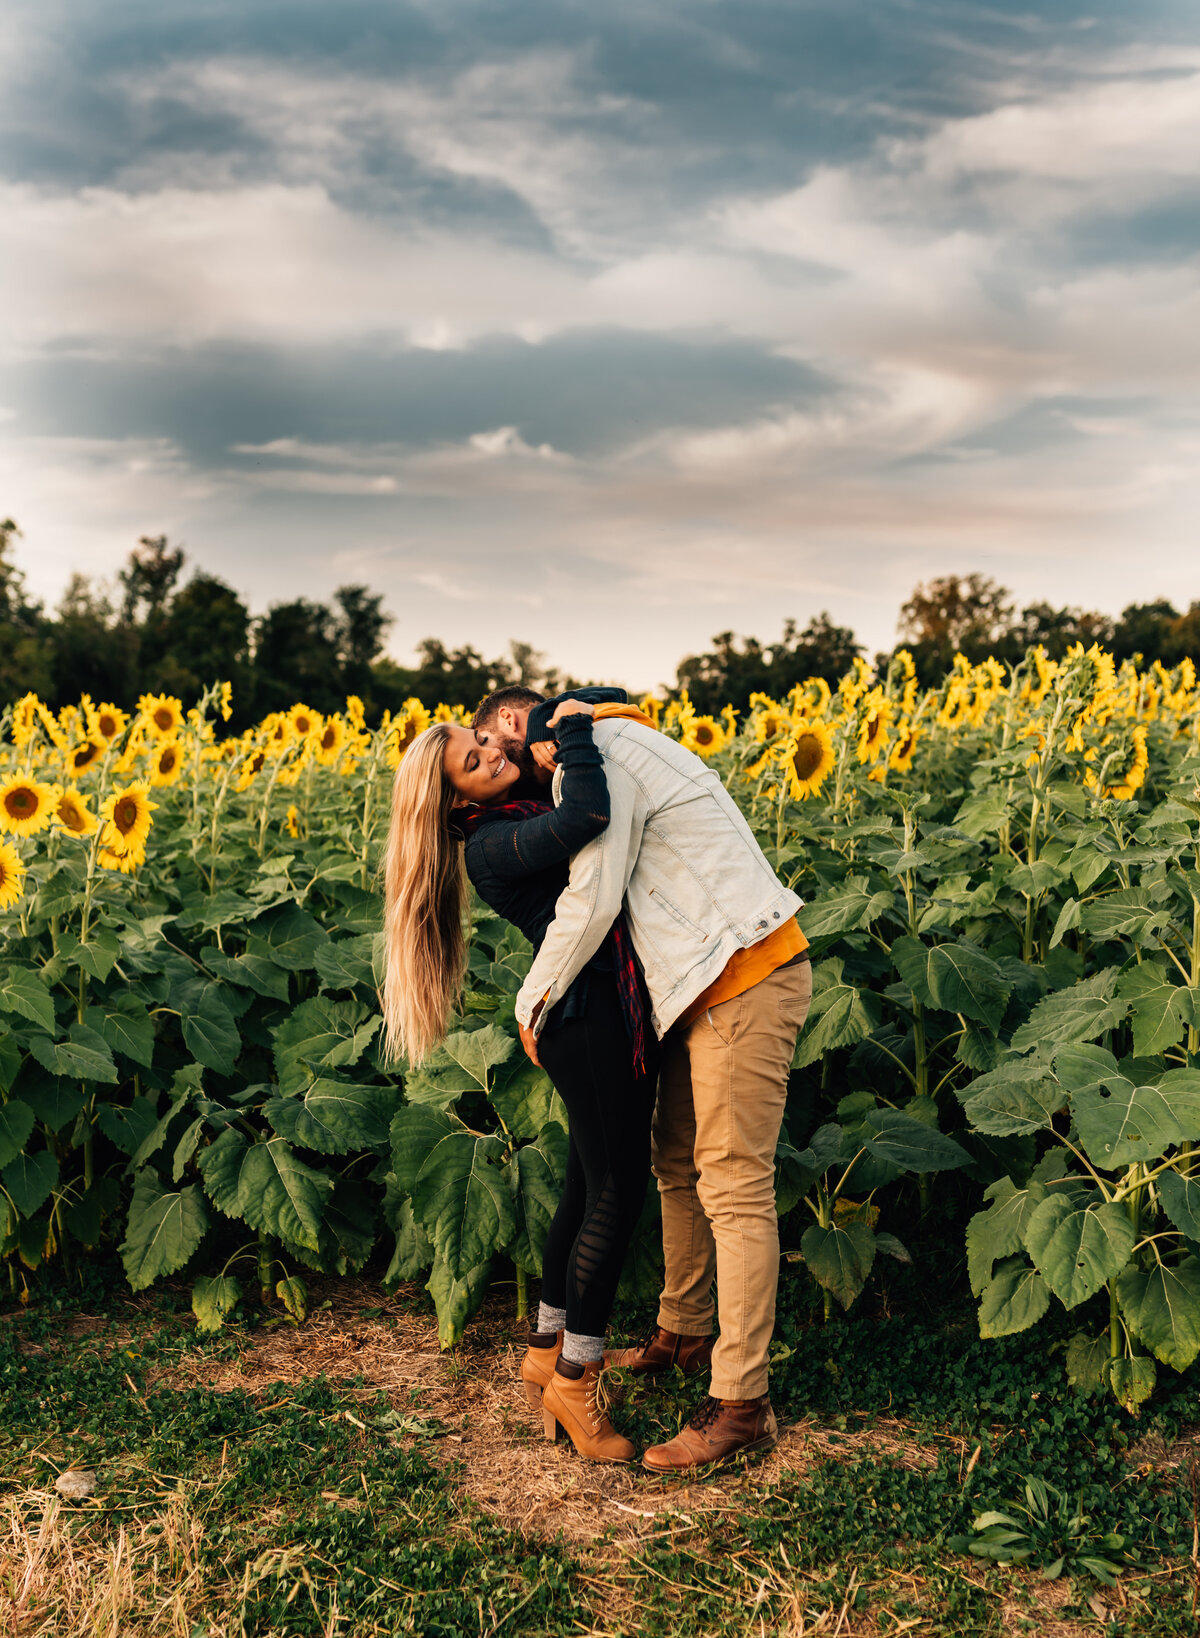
pixel 425 898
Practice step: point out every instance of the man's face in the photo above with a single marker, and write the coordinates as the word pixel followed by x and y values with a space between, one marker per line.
pixel 506 729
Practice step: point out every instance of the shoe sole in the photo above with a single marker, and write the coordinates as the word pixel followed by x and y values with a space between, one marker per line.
pixel 760 1447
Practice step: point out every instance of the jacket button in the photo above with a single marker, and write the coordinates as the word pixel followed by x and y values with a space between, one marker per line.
pixel 777 915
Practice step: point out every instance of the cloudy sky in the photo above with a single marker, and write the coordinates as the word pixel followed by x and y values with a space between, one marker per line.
pixel 605 326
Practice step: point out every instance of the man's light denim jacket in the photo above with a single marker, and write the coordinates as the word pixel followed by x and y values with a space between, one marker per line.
pixel 679 854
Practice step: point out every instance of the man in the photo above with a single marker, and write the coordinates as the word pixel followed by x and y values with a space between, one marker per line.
pixel 729 981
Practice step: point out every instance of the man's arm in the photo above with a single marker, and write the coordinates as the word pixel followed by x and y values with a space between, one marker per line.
pixel 590 903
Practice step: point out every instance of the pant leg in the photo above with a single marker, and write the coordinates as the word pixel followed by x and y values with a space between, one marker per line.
pixel 739 1054
pixel 609 1105
pixel 686 1306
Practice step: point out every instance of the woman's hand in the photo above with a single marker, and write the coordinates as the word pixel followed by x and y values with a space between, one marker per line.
pixel 571 708
pixel 545 755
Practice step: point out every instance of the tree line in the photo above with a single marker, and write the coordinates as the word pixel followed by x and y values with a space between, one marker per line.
pixel 156 630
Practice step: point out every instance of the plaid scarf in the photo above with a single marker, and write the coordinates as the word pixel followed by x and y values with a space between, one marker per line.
pixel 631 986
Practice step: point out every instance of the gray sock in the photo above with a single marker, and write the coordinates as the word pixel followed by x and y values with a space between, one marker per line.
pixel 581 1350
pixel 550 1319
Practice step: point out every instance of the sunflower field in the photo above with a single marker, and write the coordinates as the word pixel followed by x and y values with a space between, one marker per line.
pixel 1002 879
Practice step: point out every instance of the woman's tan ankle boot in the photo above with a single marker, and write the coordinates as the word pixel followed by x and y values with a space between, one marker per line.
pixel 537 1367
pixel 572 1404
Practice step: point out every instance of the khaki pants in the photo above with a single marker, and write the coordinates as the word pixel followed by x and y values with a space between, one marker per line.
pixel 721 1094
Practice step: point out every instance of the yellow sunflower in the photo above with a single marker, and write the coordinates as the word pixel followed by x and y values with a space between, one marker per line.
pixel 292 821
pixel 26 805
pixel 770 722
pixel 126 863
pixel 330 741
pixel 807 757
pixel 1133 776
pixel 901 759
pixel 25 716
pixel 651 706
pixel 126 817
pixel 305 722
pixel 162 714
pixel 873 726
pixel 704 735
pixel 107 722
pixel 84 756
pixel 166 762
pixel 412 720
pixel 71 811
pixel 226 701
pixel 12 875
pixel 355 710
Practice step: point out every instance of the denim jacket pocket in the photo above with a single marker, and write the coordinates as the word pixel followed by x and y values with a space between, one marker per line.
pixel 677 914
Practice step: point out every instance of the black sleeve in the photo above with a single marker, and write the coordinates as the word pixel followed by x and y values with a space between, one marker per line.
pixel 536 726
pixel 524 846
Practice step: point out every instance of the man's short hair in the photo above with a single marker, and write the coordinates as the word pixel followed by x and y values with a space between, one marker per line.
pixel 515 698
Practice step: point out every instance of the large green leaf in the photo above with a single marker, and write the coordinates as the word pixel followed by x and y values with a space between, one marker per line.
pixel 255 969
pixel 331 1116
pixel 1120 1123
pixel 415 1133
pixel 267 1185
pixel 30 1179
pixel 53 1100
pixel 1016 1098
pixel 1180 1198
pixel 1015 1298
pixel 1162 1309
pixel 24 993
pixel 83 1056
pixel 345 963
pixel 294 937
pixel 839 1257
pixel 210 1031
pixel 1088 1362
pixel 911 1144
pixel 1129 913
pixel 456 1298
pixel 1161 1010
pixel 128 1125
pixel 841 1014
pixel 1132 1380
pixel 536 1174
pixel 1080 1013
pixel 854 904
pixel 413 1253
pixel 964 980
pixel 999 1231
pixel 462 1197
pixel 127 1027
pixel 1077 1248
pixel 213 1300
pixel 320 1035
pixel 164 1229
pixel 16 1123
pixel 525 1099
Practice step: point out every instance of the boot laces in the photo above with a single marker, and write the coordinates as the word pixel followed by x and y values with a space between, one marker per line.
pixel 597 1402
pixel 706 1413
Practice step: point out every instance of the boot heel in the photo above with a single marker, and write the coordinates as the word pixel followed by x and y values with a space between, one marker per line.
pixel 551 1424
pixel 533 1395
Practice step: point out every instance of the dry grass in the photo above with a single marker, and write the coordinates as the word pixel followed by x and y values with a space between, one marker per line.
pixel 59 1580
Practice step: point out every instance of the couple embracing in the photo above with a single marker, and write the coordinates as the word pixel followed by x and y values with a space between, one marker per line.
pixel 669 981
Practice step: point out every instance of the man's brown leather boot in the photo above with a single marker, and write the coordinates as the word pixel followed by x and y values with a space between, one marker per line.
pixel 661 1350
pixel 721 1430
pixel 541 1356
pixel 572 1404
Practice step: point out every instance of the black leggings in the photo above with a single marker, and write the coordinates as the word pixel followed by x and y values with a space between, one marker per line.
pixel 590 1061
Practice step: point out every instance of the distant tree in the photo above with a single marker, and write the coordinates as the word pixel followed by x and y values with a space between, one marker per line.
pixel 955 613
pixel 1149 629
pixel 206 639
pixel 148 581
pixel 93 651
pixel 736 667
pixel 25 658
pixel 296 657
pixel 360 624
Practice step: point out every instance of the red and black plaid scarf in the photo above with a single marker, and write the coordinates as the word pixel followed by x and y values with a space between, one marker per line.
pixel 631 986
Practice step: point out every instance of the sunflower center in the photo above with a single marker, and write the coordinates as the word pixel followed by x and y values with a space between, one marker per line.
pixel 163 718
pixel 21 802
pixel 327 739
pixel 86 754
pixel 704 734
pixel 126 816
pixel 167 761
pixel 806 758
pixel 107 726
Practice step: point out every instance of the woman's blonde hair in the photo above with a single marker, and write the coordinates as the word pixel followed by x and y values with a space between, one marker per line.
pixel 425 898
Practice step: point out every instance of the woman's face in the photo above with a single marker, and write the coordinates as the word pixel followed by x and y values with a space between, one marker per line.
pixel 479 773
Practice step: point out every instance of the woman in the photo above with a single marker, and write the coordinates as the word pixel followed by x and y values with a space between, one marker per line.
pixel 453 818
